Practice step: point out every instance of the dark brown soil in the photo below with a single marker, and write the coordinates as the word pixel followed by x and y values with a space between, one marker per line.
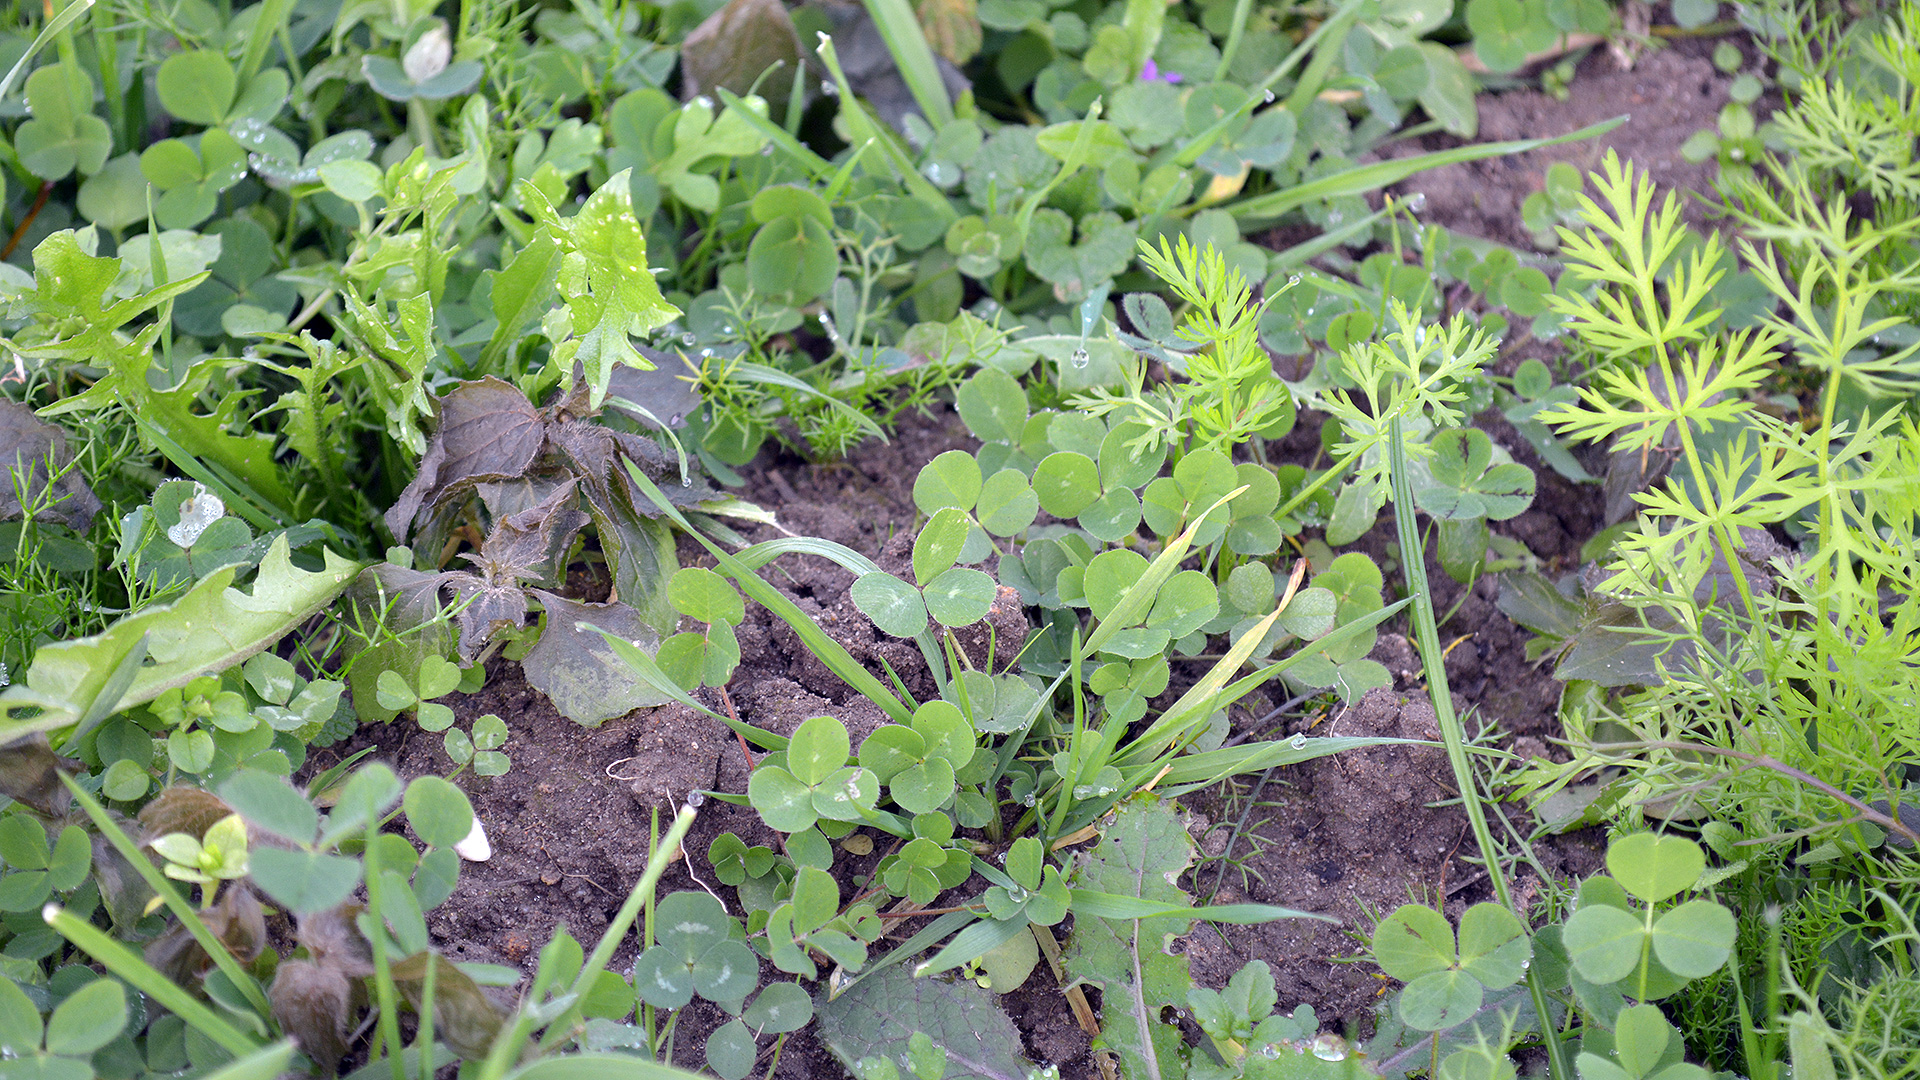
pixel 1352 837
pixel 1669 93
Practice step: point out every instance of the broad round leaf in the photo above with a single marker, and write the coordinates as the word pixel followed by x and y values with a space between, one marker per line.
pixel 790 201
pixel 960 596
pixel 1188 601
pixel 784 803
pixel 1412 942
pixel 1007 503
pixel 891 749
pixel 662 979
pixel 1112 516
pixel 1109 576
pixel 952 479
pixel 818 748
pixel 728 971
pixel 893 605
pixel 1066 483
pixel 197 87
pixel 1654 867
pixel 941 543
pixel 690 922
pixel 1641 1037
pixel 20 1026
pixel 1440 1000
pixel 993 406
pixel 731 1051
pixel 923 788
pixel 1493 946
pixel 793 258
pixel 1603 943
pixel 842 796
pixel 438 811
pixel 1124 461
pixel 270 803
pixel 780 1008
pixel 304 882
pixel 1695 938
pixel 699 593
pixel 89 1019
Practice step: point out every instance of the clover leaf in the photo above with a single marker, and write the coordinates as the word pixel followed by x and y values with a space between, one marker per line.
pixel 63 134
pixel 200 87
pixel 814 781
pixel 1506 31
pixel 1445 983
pixel 1038 891
pixel 1076 268
pixel 1466 482
pixel 192 177
pixel 793 257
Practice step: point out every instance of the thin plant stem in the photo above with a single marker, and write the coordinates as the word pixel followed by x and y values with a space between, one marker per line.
pixel 1433 661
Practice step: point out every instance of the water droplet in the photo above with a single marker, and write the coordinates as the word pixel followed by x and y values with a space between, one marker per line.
pixel 707 417
pixel 1079 358
pixel 1417 202
pixel 688 338
pixel 829 88
pixel 1027 799
pixel 1298 742
pixel 1330 1048
pixel 703 101
pixel 1269 1051
pixel 674 420
pixel 1269 96
pixel 767 150
pixel 696 799
pixel 686 481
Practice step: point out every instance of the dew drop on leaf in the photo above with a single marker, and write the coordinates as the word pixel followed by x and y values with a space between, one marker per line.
pixel 1079 358
pixel 1330 1048
pixel 1299 742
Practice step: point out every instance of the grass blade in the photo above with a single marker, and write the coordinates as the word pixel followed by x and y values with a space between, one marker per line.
pixel 914 57
pixel 176 903
pixel 67 17
pixel 829 651
pixel 126 964
pixel 1266 209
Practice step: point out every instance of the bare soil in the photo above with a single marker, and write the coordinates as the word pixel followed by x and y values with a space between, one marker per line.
pixel 1351 837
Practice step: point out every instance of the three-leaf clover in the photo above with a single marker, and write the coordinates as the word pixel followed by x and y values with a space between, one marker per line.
pixel 697 953
pixel 1467 484
pixel 1038 891
pixel 437 677
pixel 62 134
pixel 1608 940
pixel 1446 985
pixel 88 1019
pixel 200 87
pixel 38 871
pixel 918 762
pixel 814 781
